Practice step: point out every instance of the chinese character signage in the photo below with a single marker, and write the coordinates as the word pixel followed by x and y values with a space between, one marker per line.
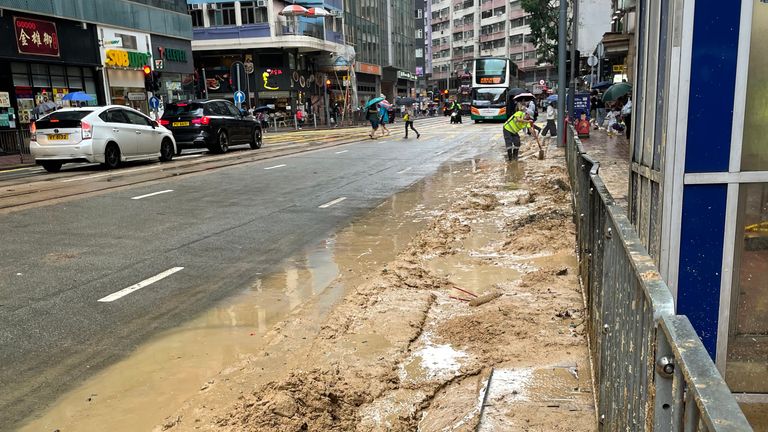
pixel 36 37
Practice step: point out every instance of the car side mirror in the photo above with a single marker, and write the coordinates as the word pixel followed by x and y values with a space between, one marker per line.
pixel 154 124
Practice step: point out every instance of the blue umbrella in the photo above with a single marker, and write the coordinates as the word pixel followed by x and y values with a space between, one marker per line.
pixel 77 97
pixel 602 85
pixel 373 101
pixel 552 98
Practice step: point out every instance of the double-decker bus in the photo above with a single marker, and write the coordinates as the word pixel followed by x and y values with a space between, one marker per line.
pixel 492 78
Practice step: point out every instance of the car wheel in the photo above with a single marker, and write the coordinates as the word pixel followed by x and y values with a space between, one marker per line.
pixel 112 156
pixel 166 151
pixel 256 139
pixel 222 142
pixel 52 166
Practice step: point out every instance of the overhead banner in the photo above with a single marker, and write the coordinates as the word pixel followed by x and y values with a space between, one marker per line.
pixel 36 37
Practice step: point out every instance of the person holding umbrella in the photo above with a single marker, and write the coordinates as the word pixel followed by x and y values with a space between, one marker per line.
pixel 512 128
pixel 383 119
pixel 408 118
pixel 372 114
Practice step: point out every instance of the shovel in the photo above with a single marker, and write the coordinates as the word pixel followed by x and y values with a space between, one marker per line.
pixel 536 135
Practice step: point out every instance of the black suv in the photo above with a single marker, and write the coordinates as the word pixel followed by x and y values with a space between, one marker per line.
pixel 215 124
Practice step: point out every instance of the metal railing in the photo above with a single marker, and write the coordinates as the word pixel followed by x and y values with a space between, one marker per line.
pixel 650 369
pixel 15 142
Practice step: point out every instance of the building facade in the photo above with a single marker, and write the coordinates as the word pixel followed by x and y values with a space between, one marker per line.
pixel 287 59
pixel 462 31
pixel 54 48
pixel 420 45
pixel 398 62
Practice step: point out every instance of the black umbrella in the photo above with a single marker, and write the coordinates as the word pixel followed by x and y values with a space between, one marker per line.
pixel 263 108
pixel 405 101
pixel 516 91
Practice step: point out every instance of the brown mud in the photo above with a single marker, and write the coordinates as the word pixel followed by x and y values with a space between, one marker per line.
pixel 403 350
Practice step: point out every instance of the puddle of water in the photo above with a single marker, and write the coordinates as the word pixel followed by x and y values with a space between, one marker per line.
pixel 472 274
pixel 138 392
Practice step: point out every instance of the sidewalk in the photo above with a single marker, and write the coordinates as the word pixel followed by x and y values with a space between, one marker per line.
pixel 613 155
pixel 12 161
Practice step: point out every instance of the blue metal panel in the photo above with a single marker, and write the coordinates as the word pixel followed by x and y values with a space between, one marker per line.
pixel 713 80
pixel 246 31
pixel 701 255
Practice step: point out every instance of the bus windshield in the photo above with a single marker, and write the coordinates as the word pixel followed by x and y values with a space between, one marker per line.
pixel 491 71
pixel 489 96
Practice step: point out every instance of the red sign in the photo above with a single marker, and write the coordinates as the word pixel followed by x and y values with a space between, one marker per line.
pixel 36 37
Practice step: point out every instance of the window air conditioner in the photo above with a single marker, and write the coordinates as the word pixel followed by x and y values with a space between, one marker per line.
pixel 261 3
pixel 213 6
pixel 196 6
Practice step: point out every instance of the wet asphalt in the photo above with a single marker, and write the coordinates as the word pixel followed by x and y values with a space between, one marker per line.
pixel 225 228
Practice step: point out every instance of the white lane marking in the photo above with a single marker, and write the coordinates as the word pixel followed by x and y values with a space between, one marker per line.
pixel 336 201
pixel 276 166
pixel 151 194
pixel 440 152
pixel 107 174
pixel 343 151
pixel 146 282
pixel 405 170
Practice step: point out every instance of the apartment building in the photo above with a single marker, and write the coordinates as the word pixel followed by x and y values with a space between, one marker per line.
pixel 466 29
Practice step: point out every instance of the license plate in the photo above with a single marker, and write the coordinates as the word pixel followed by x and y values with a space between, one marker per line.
pixel 58 137
pixel 179 124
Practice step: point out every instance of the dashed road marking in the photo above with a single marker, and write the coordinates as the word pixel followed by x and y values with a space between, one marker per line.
pixel 336 201
pixel 119 172
pixel 405 170
pixel 276 166
pixel 151 194
pixel 343 151
pixel 146 282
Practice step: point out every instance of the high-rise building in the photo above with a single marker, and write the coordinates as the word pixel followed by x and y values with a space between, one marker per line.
pixel 398 62
pixel 469 29
pixel 420 47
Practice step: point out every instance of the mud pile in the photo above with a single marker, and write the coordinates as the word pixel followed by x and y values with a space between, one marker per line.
pixel 406 351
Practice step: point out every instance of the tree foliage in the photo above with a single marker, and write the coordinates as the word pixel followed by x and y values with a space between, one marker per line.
pixel 543 19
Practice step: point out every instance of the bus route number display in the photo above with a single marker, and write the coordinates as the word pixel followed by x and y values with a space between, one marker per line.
pixel 490 80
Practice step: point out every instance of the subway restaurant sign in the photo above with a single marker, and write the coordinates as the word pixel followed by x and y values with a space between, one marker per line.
pixel 126 59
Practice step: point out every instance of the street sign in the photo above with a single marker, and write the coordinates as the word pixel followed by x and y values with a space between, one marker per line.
pixel 618 68
pixel 239 97
pixel 154 102
pixel 592 61
pixel 600 50
pixel 542 82
pixel 159 64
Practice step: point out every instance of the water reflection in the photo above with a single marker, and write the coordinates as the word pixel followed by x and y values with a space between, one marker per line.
pixel 138 392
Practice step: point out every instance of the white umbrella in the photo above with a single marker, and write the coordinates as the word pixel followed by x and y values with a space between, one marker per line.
pixel 294 10
pixel 317 12
pixel 525 96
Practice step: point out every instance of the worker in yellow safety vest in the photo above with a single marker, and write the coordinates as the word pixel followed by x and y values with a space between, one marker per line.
pixel 512 127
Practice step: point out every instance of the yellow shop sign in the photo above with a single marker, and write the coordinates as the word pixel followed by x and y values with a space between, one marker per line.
pixel 126 59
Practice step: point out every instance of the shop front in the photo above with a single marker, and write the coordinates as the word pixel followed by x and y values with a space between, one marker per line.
pixel 124 54
pixel 368 81
pixel 406 82
pixel 173 62
pixel 43 60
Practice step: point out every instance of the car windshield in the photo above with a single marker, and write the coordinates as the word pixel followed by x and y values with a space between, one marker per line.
pixel 183 108
pixel 62 119
pixel 489 96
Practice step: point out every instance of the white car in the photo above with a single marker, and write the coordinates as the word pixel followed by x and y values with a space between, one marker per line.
pixel 109 135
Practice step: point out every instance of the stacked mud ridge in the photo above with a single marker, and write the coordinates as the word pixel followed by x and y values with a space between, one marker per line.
pixel 407 351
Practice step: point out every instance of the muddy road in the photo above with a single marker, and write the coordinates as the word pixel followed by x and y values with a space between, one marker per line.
pixel 452 306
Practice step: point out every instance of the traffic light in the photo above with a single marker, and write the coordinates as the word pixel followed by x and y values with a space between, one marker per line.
pixel 156 81
pixel 445 92
pixel 148 84
pixel 568 65
pixel 606 69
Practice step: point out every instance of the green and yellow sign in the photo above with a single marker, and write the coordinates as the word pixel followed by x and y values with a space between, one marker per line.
pixel 126 59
